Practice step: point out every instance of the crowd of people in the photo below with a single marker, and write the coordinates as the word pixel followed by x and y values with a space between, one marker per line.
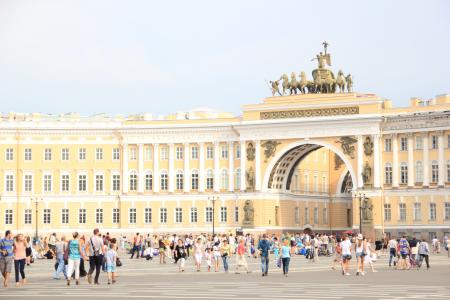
pixel 102 252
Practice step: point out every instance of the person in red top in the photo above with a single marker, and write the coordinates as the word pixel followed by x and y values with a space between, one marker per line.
pixel 240 257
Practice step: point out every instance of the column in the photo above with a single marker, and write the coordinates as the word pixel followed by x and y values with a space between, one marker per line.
pixel 257 165
pixel 141 174
pixel 155 168
pixel 360 161
pixel 201 175
pixel 410 160
pixel 426 161
pixel 243 168
pixel 376 161
pixel 171 168
pixel 230 166
pixel 124 168
pixel 395 172
pixel 216 167
pixel 441 160
pixel 187 173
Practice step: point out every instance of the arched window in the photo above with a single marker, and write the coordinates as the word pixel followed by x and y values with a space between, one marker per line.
pixel 237 178
pixel 224 179
pixel 179 180
pixel 419 171
pixel 148 181
pixel 209 179
pixel 388 173
pixel 403 173
pixel 164 180
pixel 194 179
pixel 133 181
pixel 434 171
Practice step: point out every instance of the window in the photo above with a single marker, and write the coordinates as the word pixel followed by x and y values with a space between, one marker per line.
pixel 47 183
pixel 164 153
pixel 209 179
pixel 417 212
pixel 434 172
pixel 8 216
pixel 65 216
pixel 163 215
pixel 306 183
pixel 133 181
pixel 448 141
pixel 403 173
pixel 324 184
pixel 307 215
pixel 224 152
pixel 9 180
pixel 148 215
pixel 82 183
pixel 387 212
pixel 419 171
pixel 297 215
pixel 208 214
pixel 99 215
pixel 28 183
pixel 325 215
pixel 28 154
pixel 132 153
pixel 65 183
pixel 387 145
pixel 179 180
pixel 82 216
pixel 447 211
pixel 432 214
pixel 116 182
pixel 82 154
pixel 316 215
pixel 98 153
pixel 116 154
pixel 148 153
pixel 434 142
pixel 224 179
pixel 403 144
pixel 419 142
pixel 9 154
pixel 132 216
pixel 402 212
pixel 164 181
pixel 27 216
pixel 99 183
pixel 237 179
pixel 65 154
pixel 315 184
pixel 194 152
pixel 194 180
pixel 116 216
pixel 236 214
pixel 238 151
pixel 448 170
pixel 209 152
pixel 148 181
pixel 179 153
pixel 48 154
pixel 194 215
pixel 388 173
pixel 223 214
pixel 178 215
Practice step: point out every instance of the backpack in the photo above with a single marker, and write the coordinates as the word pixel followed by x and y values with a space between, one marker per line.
pixel 96 252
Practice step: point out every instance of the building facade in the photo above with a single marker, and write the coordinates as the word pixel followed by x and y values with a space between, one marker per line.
pixel 290 163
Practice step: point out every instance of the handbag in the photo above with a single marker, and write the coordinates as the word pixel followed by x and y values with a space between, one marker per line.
pixel 279 262
pixel 66 253
pixel 118 262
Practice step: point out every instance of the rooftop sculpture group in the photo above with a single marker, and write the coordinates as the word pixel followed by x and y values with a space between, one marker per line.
pixel 323 81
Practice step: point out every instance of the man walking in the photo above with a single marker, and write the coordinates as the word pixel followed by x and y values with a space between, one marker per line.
pixel 60 250
pixel 392 249
pixel 263 247
pixel 6 256
pixel 94 248
pixel 136 246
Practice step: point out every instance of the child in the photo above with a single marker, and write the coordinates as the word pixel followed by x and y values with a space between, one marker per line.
pixel 217 256
pixel 276 249
pixel 111 258
pixel 208 258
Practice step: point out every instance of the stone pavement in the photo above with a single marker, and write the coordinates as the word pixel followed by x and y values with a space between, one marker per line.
pixel 139 278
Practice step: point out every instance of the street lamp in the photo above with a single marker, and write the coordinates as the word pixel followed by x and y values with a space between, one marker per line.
pixel 361 196
pixel 36 203
pixel 213 200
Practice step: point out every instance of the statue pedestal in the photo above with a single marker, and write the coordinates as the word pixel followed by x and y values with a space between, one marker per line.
pixel 368 230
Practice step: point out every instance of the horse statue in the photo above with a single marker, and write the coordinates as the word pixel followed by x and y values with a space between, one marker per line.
pixel 303 83
pixel 329 85
pixel 318 84
pixel 349 80
pixel 293 84
pixel 340 81
pixel 285 84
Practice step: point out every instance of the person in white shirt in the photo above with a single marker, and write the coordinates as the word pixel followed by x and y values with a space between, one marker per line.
pixel 392 249
pixel 346 254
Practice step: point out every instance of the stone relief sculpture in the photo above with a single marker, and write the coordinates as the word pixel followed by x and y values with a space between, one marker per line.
pixel 249 213
pixel 366 173
pixel 366 207
pixel 250 152
pixel 270 148
pixel 347 145
pixel 368 146
pixel 250 179
pixel 338 162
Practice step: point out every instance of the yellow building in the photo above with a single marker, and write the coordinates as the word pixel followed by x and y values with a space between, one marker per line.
pixel 304 157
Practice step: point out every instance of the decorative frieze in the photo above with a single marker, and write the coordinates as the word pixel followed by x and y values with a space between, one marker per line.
pixel 305 113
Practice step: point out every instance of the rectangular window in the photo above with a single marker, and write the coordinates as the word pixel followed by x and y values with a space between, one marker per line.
pixel 132 153
pixel 116 154
pixel 315 184
pixel 27 216
pixel 9 183
pixel 163 215
pixel 179 153
pixel 387 212
pixel 208 214
pixel 164 153
pixel 447 211
pixel 297 215
pixel 28 154
pixel 179 181
pixel 99 153
pixel 236 214
pixel 432 214
pixel 82 154
pixel 9 154
pixel 65 154
pixel 48 154
pixel 316 215
pixel 417 212
pixel 238 151
pixel 148 215
pixel 82 186
pixel 419 142
pixel 224 152
pixel 47 216
pixel 324 184
pixel 164 182
pixel 194 215
pixel 209 152
pixel 133 182
pixel 65 216
pixel 403 144
pixel 8 216
pixel 434 172
pixel 116 182
pixel 403 173
pixel 388 174
pixel 448 141
pixel 82 216
pixel 194 152
pixel 65 183
pixel 99 215
pixel 132 216
pixel 387 145
pixel 178 215
pixel 307 220
pixel 434 142
pixel 402 212
pixel 47 183
pixel 148 153
pixel 99 183
pixel 194 181
pixel 148 182
pixel 28 183
pixel 325 215
pixel 116 216
pixel 223 214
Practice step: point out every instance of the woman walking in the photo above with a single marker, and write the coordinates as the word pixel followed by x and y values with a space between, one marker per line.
pixel 216 255
pixel 198 253
pixel 285 256
pixel 74 253
pixel 370 255
pixel 225 250
pixel 346 246
pixel 359 250
pixel 19 258
pixel 180 255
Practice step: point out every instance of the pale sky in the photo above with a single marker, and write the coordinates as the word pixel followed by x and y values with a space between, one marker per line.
pixel 127 57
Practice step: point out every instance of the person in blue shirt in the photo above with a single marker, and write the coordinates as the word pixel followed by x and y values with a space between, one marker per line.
pixel 6 256
pixel 264 247
pixel 285 256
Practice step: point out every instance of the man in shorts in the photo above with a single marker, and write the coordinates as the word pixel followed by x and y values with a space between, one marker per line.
pixel 6 256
